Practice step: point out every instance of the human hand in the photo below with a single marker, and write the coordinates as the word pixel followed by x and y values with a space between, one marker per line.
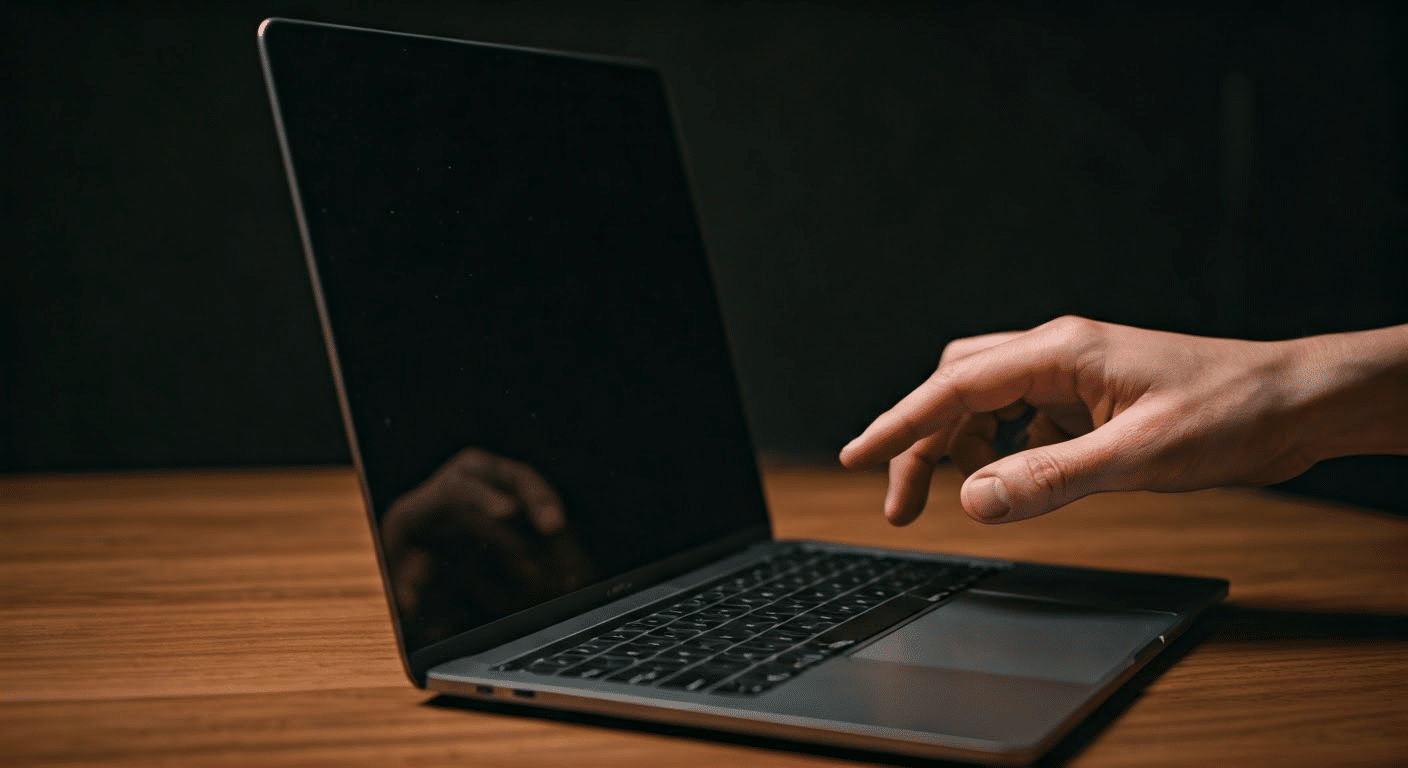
pixel 1117 409
pixel 483 533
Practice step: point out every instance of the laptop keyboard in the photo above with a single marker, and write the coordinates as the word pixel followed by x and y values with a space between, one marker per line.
pixel 757 628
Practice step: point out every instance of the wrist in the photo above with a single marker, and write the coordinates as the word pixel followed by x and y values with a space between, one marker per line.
pixel 1348 392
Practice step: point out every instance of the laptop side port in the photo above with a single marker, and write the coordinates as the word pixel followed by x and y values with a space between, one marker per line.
pixel 522 694
pixel 484 690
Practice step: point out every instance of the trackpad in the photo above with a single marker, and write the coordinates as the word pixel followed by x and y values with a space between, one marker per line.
pixel 1009 635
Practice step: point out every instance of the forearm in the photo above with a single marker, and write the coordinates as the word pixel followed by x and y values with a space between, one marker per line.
pixel 1350 391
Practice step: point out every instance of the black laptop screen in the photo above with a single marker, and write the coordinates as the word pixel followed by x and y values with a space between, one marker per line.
pixel 523 317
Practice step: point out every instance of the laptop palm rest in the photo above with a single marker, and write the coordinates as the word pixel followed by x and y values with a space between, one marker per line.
pixel 1022 637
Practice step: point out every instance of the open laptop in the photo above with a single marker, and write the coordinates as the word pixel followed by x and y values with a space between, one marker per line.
pixel 540 401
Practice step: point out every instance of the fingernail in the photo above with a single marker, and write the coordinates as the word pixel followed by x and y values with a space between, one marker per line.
pixel 990 501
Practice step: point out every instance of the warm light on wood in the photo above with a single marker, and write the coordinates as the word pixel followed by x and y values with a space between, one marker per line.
pixel 236 618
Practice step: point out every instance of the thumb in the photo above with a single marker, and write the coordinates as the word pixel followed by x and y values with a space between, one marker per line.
pixel 1037 481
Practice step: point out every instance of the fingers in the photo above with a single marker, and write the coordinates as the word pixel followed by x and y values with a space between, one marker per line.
pixel 961 348
pixel 910 473
pixel 969 443
pixel 971 447
pixel 985 380
pixel 956 350
pixel 409 577
pixel 1041 479
pixel 540 502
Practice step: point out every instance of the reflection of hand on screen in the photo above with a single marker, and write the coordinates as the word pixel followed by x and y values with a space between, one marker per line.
pixel 484 536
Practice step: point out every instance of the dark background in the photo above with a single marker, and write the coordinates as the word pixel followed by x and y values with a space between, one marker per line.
pixel 872 179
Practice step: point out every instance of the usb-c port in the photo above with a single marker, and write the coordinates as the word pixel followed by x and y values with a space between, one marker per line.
pixel 484 690
pixel 522 694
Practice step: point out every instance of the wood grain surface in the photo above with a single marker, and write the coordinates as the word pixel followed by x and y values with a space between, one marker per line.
pixel 236 618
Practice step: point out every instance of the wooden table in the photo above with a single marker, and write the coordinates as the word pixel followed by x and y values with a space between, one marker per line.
pixel 236 618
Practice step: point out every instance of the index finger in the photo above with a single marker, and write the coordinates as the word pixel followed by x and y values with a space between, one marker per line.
pixel 539 500
pixel 983 381
pixel 544 506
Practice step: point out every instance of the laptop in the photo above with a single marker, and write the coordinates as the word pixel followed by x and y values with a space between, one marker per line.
pixel 540 401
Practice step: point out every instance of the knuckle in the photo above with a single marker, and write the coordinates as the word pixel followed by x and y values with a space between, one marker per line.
pixel 954 350
pixel 943 379
pixel 971 345
pixel 1047 474
pixel 1073 324
pixel 1075 333
pixel 471 458
pixel 497 506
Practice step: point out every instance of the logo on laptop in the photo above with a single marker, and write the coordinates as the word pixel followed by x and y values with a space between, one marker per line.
pixel 619 587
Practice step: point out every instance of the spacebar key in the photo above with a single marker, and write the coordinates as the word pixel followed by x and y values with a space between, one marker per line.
pixel 868 624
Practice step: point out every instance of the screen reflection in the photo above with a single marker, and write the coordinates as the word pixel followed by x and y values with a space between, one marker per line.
pixel 482 537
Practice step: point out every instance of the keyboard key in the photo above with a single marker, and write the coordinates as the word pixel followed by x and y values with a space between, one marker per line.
pixel 783 635
pixel 829 611
pixel 751 600
pixel 743 687
pixel 874 621
pixel 816 595
pixel 648 673
pixel 635 651
pixel 707 643
pixel 652 641
pixel 554 664
pixel 791 605
pixel 840 610
pixel 859 599
pixel 730 666
pixel 596 668
pixel 696 678
pixel 591 648
pixel 732 632
pixel 773 673
pixel 800 659
pixel 674 633
pixel 770 646
pixel 809 623
pixel 688 654
pixel 726 610
pixel 561 660
pixel 742 653
pixel 935 589
pixel 754 625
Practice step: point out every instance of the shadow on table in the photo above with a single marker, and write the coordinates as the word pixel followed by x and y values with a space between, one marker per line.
pixel 1064 750
pixel 1250 624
